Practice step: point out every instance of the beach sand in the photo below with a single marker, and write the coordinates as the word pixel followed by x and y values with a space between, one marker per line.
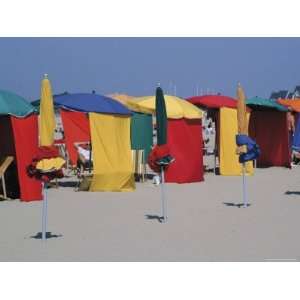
pixel 205 222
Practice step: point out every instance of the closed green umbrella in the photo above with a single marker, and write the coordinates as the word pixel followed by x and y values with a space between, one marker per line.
pixel 161 117
pixel 161 128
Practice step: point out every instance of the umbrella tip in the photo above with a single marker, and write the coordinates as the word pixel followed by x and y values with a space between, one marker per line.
pixel 45 76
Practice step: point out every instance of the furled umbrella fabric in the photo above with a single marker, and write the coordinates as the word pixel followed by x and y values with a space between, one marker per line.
pixel 14 105
pixel 47 116
pixel 241 111
pixel 161 117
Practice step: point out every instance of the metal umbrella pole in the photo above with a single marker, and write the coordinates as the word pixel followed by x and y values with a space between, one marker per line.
pixel 163 196
pixel 245 201
pixel 44 213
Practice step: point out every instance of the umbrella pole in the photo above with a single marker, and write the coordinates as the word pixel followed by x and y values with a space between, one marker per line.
pixel 163 196
pixel 44 213
pixel 244 186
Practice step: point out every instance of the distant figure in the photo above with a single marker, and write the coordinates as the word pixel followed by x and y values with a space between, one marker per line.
pixel 291 120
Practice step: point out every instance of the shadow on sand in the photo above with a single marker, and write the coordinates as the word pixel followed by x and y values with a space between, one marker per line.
pixel 71 184
pixel 49 235
pixel 238 205
pixel 292 193
pixel 154 217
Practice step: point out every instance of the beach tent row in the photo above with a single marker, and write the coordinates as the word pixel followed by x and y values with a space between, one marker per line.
pixel 184 132
pixel 268 126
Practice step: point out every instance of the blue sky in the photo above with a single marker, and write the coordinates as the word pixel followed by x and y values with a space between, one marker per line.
pixel 135 65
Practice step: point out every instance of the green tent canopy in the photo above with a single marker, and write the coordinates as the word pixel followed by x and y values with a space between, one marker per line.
pixel 12 104
pixel 141 132
pixel 258 103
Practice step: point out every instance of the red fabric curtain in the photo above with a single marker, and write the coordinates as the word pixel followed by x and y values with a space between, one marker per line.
pixel 185 143
pixel 26 146
pixel 270 131
pixel 77 129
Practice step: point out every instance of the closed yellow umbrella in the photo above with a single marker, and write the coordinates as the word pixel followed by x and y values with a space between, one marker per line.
pixel 47 116
pixel 242 130
pixel 241 111
pixel 176 107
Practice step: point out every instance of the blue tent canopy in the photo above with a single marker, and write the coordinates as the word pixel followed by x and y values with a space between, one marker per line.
pixel 91 103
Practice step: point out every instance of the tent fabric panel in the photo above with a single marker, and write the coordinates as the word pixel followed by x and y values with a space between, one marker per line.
pixel 141 133
pixel 185 142
pixel 76 129
pixel 47 122
pixel 296 137
pixel 270 131
pixel 26 144
pixel 229 160
pixel 111 151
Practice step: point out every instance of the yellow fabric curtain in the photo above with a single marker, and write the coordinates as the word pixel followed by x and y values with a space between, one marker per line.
pixel 229 160
pixel 47 116
pixel 111 151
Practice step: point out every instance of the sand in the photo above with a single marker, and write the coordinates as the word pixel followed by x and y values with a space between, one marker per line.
pixel 205 222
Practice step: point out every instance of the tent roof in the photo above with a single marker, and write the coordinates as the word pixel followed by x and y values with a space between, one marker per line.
pixel 91 103
pixel 123 98
pixel 213 101
pixel 177 108
pixel 15 105
pixel 258 103
pixel 294 104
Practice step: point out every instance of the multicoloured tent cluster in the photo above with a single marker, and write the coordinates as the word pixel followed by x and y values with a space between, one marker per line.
pixel 118 123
